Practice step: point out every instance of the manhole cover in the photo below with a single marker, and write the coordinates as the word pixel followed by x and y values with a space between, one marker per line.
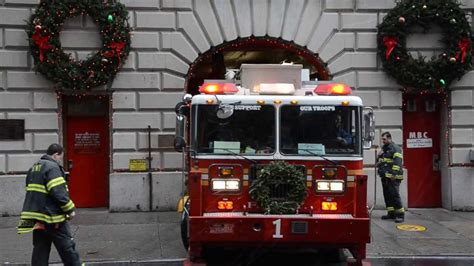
pixel 411 227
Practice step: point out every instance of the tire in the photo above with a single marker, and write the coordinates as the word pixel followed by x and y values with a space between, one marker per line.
pixel 184 225
pixel 332 255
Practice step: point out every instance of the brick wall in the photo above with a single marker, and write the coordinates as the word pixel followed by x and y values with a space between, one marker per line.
pixel 170 34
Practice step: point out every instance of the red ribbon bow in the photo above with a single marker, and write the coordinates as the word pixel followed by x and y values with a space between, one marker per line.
pixel 464 45
pixel 42 43
pixel 390 43
pixel 117 49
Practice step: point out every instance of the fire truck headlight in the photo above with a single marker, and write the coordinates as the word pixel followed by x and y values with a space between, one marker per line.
pixel 225 184
pixel 337 186
pixel 323 185
pixel 218 184
pixel 329 186
pixel 232 185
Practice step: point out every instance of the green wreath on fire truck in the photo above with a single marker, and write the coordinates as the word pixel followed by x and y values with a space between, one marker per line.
pixel 98 69
pixel 440 71
pixel 275 175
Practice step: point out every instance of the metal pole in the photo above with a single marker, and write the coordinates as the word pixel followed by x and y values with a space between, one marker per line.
pixel 375 181
pixel 150 181
pixel 183 169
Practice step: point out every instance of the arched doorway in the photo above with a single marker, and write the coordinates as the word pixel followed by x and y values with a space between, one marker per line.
pixel 252 50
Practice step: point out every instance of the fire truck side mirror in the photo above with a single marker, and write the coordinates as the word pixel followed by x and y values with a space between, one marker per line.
pixel 181 108
pixel 368 127
pixel 179 141
pixel 179 144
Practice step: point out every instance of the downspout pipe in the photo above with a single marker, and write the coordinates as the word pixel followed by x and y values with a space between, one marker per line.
pixel 150 179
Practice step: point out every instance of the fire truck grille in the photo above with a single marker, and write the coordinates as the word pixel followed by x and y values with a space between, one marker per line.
pixel 279 192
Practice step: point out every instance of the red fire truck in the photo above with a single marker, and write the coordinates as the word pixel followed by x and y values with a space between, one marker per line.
pixel 235 128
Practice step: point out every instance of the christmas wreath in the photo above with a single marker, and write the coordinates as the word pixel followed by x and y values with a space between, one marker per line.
pixel 279 176
pixel 98 69
pixel 440 71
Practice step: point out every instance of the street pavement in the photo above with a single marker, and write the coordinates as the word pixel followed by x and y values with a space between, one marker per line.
pixel 153 238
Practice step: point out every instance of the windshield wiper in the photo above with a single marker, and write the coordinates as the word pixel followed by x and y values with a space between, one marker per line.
pixel 239 155
pixel 319 155
pixel 219 102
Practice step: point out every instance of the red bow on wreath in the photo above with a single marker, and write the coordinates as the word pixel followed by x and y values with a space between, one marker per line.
pixel 464 45
pixel 42 43
pixel 117 50
pixel 390 43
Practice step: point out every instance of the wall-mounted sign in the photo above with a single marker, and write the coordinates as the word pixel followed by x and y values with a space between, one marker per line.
pixel 137 165
pixel 86 142
pixel 419 143
pixel 12 129
pixel 419 140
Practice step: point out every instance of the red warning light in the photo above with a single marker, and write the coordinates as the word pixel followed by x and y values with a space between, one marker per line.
pixel 218 88
pixel 333 89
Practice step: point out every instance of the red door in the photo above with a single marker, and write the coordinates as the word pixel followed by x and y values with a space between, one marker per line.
pixel 421 149
pixel 87 133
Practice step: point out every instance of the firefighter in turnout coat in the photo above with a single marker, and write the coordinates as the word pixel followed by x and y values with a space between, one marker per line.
pixel 390 170
pixel 47 209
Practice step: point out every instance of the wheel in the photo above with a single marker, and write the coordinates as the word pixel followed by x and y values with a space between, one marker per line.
pixel 184 225
pixel 332 255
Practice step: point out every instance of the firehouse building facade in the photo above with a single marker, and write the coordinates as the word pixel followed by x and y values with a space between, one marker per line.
pixel 109 132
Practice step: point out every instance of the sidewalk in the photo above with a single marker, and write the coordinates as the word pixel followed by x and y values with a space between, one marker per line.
pixel 155 236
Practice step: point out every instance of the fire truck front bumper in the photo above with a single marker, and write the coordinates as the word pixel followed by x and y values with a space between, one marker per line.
pixel 301 229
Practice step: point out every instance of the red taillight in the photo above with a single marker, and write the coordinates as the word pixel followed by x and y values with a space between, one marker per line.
pixel 333 89
pixel 218 88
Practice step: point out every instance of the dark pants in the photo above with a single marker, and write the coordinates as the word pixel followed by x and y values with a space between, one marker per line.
pixel 63 241
pixel 391 195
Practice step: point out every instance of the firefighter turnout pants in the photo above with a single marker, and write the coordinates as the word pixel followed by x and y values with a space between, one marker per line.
pixel 60 236
pixel 391 195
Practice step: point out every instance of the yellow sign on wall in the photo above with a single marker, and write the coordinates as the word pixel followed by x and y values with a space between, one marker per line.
pixel 137 165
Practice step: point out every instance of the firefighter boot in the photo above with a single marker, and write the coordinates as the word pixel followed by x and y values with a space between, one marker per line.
pixel 400 219
pixel 389 216
pixel 400 216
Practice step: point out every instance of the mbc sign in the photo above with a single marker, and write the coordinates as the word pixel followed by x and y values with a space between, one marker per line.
pixel 418 135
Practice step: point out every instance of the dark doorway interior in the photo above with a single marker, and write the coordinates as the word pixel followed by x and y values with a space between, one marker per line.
pixel 214 63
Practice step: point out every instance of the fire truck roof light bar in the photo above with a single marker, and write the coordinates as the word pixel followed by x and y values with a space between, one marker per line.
pixel 333 89
pixel 218 88
pixel 275 88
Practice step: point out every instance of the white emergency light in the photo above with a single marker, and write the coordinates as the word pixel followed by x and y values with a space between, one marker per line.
pixel 275 88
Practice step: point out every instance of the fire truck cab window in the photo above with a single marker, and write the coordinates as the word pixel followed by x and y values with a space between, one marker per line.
pixel 249 130
pixel 317 129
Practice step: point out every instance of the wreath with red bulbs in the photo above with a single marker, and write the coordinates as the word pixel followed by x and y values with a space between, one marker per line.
pixel 43 31
pixel 437 73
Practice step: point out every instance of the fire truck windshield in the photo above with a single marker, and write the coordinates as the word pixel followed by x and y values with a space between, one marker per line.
pixel 319 129
pixel 250 129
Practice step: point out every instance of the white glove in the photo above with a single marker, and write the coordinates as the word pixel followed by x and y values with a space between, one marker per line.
pixel 71 215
